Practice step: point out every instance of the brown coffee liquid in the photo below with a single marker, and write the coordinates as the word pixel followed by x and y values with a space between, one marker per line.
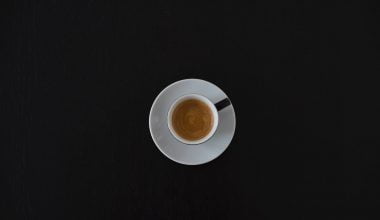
pixel 192 119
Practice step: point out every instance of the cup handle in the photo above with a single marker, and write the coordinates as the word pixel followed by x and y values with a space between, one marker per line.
pixel 222 104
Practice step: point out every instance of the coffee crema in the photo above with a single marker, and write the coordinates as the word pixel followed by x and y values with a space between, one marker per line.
pixel 192 119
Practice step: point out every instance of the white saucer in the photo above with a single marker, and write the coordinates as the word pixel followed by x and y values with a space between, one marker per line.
pixel 176 150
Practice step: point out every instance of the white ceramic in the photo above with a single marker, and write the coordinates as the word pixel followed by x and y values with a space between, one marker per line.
pixel 202 99
pixel 174 148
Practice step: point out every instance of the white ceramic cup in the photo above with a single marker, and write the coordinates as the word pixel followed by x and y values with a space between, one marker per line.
pixel 203 99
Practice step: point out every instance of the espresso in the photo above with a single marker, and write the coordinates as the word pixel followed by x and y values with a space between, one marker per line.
pixel 192 119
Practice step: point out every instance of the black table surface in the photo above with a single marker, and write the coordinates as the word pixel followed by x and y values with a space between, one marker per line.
pixel 77 80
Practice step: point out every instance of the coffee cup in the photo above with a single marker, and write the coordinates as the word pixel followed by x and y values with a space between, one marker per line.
pixel 193 118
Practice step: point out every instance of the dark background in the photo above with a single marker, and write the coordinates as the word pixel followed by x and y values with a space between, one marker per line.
pixel 77 80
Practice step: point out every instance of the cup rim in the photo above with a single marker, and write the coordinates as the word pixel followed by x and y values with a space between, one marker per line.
pixel 204 100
